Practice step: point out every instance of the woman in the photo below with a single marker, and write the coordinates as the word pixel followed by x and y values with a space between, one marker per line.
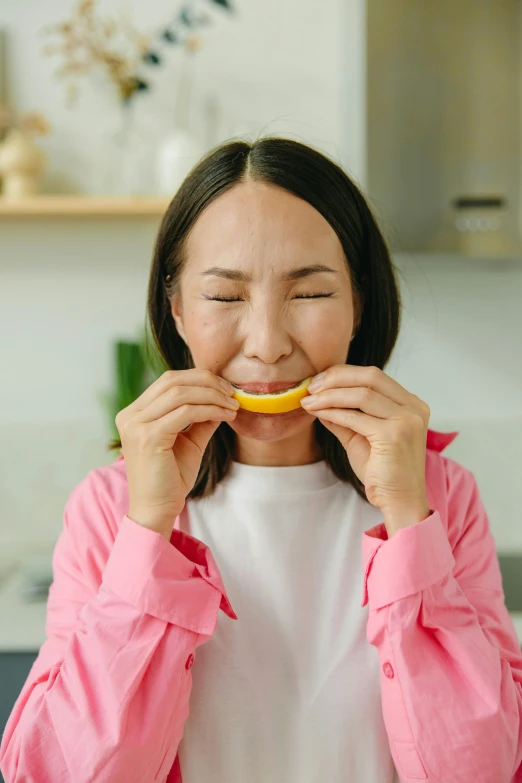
pixel 270 268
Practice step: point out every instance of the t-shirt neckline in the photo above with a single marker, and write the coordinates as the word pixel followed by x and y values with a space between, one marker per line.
pixel 286 479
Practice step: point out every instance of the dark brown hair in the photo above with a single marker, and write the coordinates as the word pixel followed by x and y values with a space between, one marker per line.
pixel 310 175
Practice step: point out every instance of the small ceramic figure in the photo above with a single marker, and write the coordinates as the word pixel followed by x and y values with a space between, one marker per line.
pixel 22 164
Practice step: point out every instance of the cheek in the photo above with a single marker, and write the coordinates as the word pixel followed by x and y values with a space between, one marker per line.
pixel 325 330
pixel 207 336
pixel 319 330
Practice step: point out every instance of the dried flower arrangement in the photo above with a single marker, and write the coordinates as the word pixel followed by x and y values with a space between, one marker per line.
pixel 89 41
pixel 31 123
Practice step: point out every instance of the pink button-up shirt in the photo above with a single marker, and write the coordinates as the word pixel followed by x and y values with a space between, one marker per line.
pixel 107 697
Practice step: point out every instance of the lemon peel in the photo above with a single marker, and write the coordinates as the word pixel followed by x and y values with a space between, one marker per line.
pixel 280 402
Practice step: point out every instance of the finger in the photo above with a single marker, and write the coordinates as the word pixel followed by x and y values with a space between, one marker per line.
pixel 343 434
pixel 359 422
pixel 347 375
pixel 191 377
pixel 177 396
pixel 180 419
pixel 367 400
pixel 198 434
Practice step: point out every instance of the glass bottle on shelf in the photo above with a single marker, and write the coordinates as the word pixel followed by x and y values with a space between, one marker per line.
pixel 123 163
pixel 180 149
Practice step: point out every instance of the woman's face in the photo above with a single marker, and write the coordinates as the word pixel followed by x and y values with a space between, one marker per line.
pixel 249 245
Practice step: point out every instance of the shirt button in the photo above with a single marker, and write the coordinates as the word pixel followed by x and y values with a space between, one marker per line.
pixel 388 670
pixel 189 661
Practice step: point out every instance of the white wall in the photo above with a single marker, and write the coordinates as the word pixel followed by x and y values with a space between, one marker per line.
pixel 459 350
pixel 274 66
pixel 69 288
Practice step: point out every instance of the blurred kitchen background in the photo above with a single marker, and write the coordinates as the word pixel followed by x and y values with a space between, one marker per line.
pixel 105 106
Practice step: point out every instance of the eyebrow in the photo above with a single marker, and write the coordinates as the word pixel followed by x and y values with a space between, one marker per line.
pixel 294 274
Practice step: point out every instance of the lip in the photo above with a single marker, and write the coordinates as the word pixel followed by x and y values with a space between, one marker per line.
pixel 262 387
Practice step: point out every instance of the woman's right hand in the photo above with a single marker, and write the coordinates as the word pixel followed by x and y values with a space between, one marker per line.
pixel 161 461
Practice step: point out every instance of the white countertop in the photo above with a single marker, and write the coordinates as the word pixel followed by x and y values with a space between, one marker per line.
pixel 22 623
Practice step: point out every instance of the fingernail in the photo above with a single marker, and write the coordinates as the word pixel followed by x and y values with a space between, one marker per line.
pixel 317 381
pixel 227 386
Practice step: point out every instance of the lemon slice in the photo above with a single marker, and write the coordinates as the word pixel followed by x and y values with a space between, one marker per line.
pixel 280 402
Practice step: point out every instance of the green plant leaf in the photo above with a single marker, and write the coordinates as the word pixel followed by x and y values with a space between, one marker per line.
pixel 137 364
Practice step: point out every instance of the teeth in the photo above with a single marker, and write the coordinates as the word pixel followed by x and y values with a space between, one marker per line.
pixel 281 391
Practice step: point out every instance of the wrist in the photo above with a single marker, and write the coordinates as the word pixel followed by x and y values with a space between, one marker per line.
pixel 395 519
pixel 157 525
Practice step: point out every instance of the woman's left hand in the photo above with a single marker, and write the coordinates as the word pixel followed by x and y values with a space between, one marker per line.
pixel 383 428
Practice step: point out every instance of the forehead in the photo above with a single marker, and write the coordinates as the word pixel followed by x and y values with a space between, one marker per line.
pixel 254 223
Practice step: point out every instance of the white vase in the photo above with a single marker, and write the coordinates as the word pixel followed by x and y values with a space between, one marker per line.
pixel 180 148
pixel 177 154
pixel 122 165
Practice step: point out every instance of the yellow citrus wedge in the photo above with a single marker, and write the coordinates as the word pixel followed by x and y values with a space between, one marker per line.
pixel 280 402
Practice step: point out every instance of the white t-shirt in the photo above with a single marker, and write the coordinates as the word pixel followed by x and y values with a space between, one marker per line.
pixel 289 692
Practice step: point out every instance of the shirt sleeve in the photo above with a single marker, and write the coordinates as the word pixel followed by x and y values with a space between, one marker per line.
pixel 107 697
pixel 451 663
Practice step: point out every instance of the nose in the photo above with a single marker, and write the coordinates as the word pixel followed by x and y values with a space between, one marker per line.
pixel 266 334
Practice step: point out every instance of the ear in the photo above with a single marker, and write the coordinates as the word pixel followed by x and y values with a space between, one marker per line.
pixel 176 310
pixel 359 307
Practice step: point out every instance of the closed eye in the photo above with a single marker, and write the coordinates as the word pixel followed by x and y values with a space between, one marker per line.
pixel 237 299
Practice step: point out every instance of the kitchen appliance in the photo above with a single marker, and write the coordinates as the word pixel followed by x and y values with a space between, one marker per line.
pixel 444 128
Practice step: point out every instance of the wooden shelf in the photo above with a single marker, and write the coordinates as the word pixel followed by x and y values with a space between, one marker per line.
pixel 50 205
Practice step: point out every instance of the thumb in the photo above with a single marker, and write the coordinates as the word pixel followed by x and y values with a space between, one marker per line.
pixel 200 433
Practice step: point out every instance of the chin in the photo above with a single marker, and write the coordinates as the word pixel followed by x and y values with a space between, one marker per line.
pixel 273 426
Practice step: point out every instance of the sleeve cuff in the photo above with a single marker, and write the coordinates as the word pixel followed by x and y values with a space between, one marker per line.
pixel 176 581
pixel 413 559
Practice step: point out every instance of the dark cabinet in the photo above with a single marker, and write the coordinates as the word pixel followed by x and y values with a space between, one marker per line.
pixel 14 668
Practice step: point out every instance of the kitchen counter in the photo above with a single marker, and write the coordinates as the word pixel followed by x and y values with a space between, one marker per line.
pixel 22 623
